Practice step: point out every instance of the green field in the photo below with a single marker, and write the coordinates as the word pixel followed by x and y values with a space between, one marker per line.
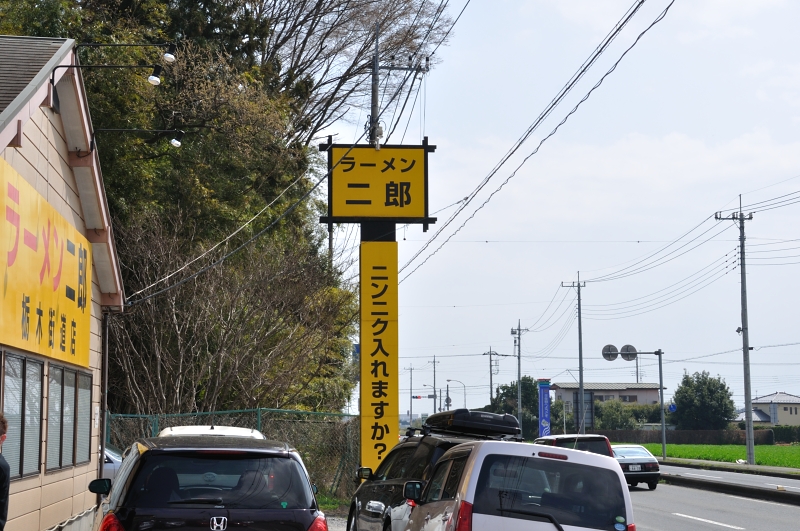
pixel 786 456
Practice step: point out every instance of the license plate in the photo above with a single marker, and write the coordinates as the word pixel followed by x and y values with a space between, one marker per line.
pixel 635 468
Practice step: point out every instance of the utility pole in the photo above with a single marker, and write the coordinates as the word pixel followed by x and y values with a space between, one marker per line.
pixel 518 341
pixel 434 384
pixel 491 371
pixel 410 395
pixel 579 410
pixel 374 137
pixel 748 403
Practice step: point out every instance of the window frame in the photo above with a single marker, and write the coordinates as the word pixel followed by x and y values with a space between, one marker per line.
pixel 75 459
pixel 20 473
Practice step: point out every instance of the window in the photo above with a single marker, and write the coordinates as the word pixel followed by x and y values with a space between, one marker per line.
pixel 785 408
pixel 437 482
pixel 22 404
pixel 69 406
pixel 629 398
pixel 400 462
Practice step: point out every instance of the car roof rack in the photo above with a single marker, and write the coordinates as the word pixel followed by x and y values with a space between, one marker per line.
pixel 473 423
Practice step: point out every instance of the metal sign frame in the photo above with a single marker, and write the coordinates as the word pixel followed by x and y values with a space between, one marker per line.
pixel 425 220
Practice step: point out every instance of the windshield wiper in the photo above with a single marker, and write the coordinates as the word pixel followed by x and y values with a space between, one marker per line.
pixel 209 501
pixel 535 513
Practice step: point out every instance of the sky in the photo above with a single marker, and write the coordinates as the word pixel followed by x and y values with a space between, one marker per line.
pixel 704 108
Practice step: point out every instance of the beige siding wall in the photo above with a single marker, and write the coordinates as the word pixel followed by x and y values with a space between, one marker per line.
pixel 41 502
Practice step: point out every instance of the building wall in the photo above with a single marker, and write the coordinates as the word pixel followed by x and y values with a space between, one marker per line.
pixel 43 501
pixel 786 413
pixel 643 396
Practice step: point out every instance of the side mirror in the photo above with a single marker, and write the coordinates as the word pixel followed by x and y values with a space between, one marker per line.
pixel 100 486
pixel 364 472
pixel 412 490
pixel 314 488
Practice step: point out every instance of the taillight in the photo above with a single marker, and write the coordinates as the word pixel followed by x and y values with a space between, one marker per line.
pixel 411 503
pixel 464 522
pixel 631 527
pixel 111 523
pixel 320 524
pixel 610 451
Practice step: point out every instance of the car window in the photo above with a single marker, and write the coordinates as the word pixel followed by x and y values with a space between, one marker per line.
pixel 576 495
pixel 453 478
pixel 435 485
pixel 631 451
pixel 245 481
pixel 398 467
pixel 123 477
pixel 386 464
pixel 597 446
pixel 423 461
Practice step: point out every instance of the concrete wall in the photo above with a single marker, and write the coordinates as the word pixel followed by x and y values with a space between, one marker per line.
pixel 43 501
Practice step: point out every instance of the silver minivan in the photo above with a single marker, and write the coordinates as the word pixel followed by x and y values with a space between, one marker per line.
pixel 518 486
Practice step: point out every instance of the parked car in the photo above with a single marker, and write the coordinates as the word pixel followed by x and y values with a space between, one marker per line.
pixel 218 431
pixel 200 482
pixel 112 462
pixel 378 503
pixel 638 465
pixel 511 486
pixel 597 444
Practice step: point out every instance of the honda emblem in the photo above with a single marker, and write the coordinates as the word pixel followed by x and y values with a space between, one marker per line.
pixel 219 523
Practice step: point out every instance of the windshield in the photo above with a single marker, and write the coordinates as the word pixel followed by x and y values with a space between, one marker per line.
pixel 114 452
pixel 597 446
pixel 527 487
pixel 631 451
pixel 233 480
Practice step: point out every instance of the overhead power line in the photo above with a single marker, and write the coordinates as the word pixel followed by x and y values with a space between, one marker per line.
pixel 565 90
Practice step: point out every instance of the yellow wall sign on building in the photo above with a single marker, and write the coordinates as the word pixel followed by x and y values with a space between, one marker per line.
pixel 389 184
pixel 380 382
pixel 45 301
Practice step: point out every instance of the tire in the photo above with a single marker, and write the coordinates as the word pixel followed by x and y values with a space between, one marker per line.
pixel 352 525
pixel 633 483
pixel 652 485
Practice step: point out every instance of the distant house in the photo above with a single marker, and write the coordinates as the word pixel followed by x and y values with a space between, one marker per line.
pixel 635 393
pixel 777 409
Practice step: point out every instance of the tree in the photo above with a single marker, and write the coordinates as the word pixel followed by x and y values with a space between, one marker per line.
pixel 703 403
pixel 505 401
pixel 557 418
pixel 614 415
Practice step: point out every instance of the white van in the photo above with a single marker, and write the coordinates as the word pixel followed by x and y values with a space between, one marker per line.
pixel 518 486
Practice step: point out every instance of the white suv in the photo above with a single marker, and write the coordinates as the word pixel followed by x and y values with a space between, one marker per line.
pixel 519 486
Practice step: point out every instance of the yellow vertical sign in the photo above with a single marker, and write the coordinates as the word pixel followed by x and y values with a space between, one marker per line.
pixel 46 294
pixel 379 400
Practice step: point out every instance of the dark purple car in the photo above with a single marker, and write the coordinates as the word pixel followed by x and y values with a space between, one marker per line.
pixel 209 483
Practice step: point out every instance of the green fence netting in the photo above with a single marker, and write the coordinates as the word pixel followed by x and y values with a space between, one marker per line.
pixel 327 442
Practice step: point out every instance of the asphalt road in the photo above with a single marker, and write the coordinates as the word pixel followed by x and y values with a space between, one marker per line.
pixel 671 507
pixel 791 485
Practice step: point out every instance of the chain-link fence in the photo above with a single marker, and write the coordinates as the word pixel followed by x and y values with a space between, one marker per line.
pixel 327 442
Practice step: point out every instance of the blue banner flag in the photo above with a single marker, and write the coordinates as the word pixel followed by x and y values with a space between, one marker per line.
pixel 544 407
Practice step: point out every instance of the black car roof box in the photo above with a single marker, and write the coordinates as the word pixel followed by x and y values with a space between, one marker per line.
pixel 472 422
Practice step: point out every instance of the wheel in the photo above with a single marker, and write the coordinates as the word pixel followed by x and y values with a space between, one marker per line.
pixel 352 525
pixel 633 483
pixel 652 485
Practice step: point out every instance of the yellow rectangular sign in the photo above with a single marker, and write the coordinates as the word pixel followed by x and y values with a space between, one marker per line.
pixel 46 301
pixel 380 382
pixel 385 183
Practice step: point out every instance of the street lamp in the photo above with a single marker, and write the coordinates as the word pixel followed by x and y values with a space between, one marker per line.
pixel 629 354
pixel 465 391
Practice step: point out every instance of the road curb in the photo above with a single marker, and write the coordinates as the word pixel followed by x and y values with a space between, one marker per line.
pixel 762 493
pixel 739 469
